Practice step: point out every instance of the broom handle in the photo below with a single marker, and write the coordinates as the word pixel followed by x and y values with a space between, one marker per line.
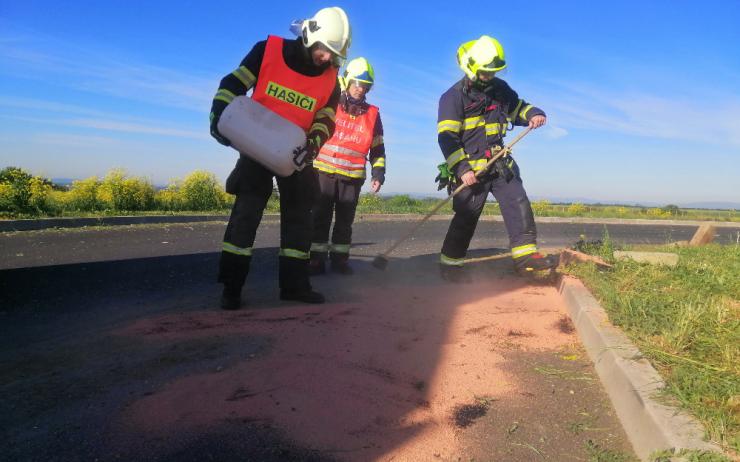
pixel 503 152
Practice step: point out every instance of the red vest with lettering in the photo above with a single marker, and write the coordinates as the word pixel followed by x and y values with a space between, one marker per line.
pixel 290 94
pixel 346 152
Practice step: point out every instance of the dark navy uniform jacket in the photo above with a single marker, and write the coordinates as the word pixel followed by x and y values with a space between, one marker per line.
pixel 472 120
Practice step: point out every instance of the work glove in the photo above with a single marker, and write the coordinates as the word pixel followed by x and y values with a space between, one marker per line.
pixel 214 130
pixel 305 155
pixel 444 178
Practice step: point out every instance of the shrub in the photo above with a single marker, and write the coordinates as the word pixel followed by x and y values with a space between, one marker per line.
pixel 83 195
pixel 201 191
pixel 370 202
pixel 576 209
pixel 40 190
pixel 541 207
pixel 671 209
pixel 6 197
pixel 17 190
pixel 169 198
pixel 656 212
pixel 404 201
pixel 21 192
pixel 120 192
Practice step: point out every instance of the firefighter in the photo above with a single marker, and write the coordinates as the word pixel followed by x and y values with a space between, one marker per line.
pixel 474 115
pixel 341 169
pixel 308 66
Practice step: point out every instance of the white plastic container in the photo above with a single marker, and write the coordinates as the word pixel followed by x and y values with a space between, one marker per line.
pixel 262 135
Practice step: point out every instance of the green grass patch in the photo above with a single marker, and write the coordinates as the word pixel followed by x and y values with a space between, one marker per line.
pixel 598 454
pixel 686 321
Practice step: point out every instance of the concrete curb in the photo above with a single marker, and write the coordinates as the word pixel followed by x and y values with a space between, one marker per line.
pixel 72 222
pixel 630 380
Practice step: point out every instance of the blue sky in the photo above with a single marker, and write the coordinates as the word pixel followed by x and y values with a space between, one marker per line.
pixel 643 97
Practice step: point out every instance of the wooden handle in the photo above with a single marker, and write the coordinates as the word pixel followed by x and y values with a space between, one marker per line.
pixel 501 153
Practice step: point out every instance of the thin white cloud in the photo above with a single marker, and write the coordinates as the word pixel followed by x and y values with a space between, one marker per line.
pixel 671 117
pixel 82 68
pixel 554 132
pixel 113 125
pixel 75 141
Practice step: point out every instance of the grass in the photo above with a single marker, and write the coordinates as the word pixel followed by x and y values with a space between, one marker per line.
pixel 686 321
pixel 598 454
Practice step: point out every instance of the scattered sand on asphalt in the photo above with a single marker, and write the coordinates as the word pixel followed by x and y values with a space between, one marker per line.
pixel 394 371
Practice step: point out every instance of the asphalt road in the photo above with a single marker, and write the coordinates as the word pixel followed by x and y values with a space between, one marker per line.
pixel 67 374
pixel 68 246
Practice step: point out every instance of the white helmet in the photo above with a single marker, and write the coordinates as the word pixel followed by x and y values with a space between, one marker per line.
pixel 330 27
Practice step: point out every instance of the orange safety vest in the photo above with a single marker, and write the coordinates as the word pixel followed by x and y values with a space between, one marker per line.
pixel 346 152
pixel 294 96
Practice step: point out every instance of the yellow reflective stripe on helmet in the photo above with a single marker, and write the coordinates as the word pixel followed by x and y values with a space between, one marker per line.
pixel 245 76
pixel 456 157
pixel 224 95
pixel 449 126
pixel 524 112
pixel 449 261
pixel 340 248
pixel 523 250
pixel 379 163
pixel 473 122
pixel 231 248
pixel 319 247
pixel 478 164
pixel 293 253
pixel 326 112
pixel 377 141
pixel 512 114
pixel 318 126
pixel 494 129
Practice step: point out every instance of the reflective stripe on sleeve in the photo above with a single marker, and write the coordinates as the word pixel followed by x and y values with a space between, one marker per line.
pixel 456 157
pixel 245 76
pixel 448 126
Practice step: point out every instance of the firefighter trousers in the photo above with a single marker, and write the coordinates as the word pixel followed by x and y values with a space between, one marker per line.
pixel 252 184
pixel 468 205
pixel 337 198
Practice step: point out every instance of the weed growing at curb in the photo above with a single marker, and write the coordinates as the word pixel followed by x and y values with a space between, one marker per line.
pixel 598 454
pixel 687 456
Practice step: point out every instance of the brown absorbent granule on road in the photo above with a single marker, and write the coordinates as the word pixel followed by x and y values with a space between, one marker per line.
pixel 398 375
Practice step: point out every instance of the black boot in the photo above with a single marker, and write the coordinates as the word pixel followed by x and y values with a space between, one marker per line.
pixel 316 266
pixel 231 298
pixel 304 295
pixel 341 266
pixel 455 274
pixel 536 262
